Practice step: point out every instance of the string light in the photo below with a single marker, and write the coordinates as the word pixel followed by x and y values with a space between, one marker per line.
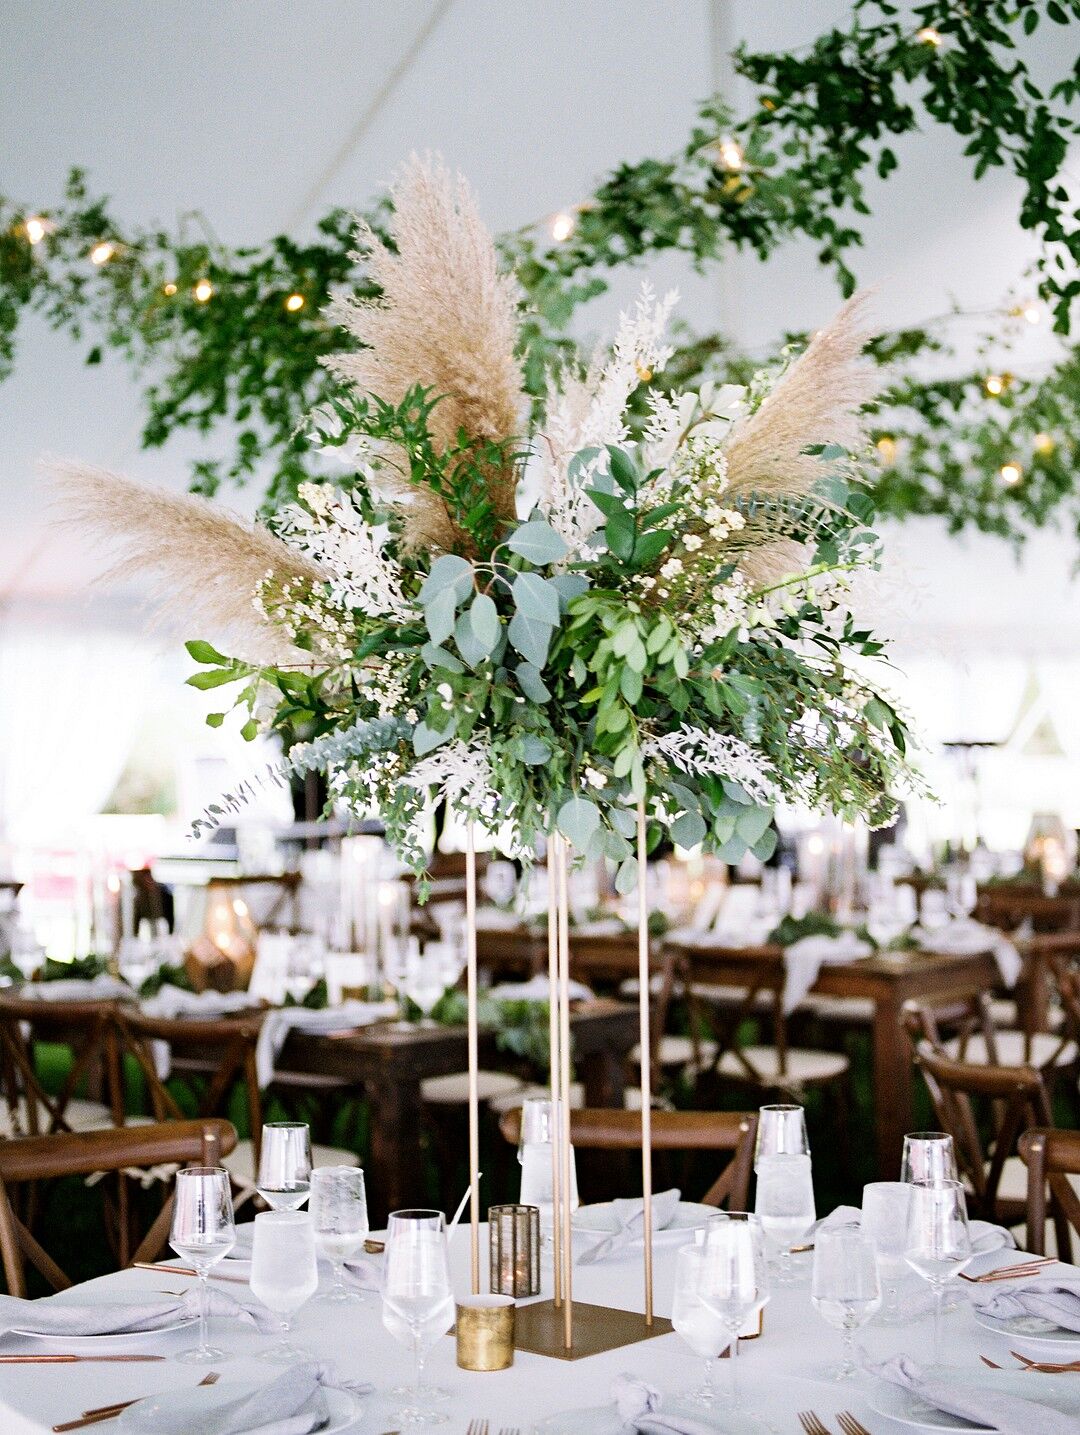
pixel 928 36
pixel 731 154
pixel 294 303
pixel 1010 474
pixel 1043 444
pixel 996 384
pixel 1032 313
pixel 203 291
pixel 102 253
pixel 886 447
pixel 168 289
pixel 562 226
pixel 37 228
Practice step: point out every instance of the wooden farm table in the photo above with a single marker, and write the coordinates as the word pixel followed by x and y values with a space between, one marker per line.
pixel 888 983
pixel 390 1065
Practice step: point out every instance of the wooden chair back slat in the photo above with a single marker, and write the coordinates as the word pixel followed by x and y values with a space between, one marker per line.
pixel 1051 1157
pixel 87 1027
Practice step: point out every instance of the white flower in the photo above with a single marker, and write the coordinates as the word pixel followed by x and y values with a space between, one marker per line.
pixel 712 754
pixel 672 568
pixel 594 778
pixel 692 542
pixel 459 774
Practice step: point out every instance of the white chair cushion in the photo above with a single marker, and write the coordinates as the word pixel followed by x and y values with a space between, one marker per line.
pixel 240 1162
pixel 1013 1183
pixel 631 1098
pixel 679 1051
pixel 803 1065
pixel 80 1116
pixel 453 1090
pixel 1010 1049
pixel 856 1010
pixel 721 994
pixel 631 986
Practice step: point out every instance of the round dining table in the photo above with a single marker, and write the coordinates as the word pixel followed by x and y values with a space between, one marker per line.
pixel 782 1372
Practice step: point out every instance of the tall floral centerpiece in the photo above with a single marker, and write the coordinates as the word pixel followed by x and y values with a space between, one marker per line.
pixel 624 621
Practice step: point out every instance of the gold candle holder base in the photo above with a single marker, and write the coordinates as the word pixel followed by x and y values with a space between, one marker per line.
pixel 539 1329
pixel 485 1332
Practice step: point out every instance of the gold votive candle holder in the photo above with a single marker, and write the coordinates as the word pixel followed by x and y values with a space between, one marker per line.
pixel 485 1332
pixel 514 1243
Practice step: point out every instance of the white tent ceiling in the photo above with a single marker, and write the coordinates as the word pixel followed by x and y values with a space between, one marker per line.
pixel 241 110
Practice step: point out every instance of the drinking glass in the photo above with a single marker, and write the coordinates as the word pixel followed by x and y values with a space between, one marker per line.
pixel 285 1165
pixel 535 1156
pixel 781 1132
pixel 884 1219
pixel 845 1288
pixel 785 1204
pixel 339 1215
pixel 283 1271
pixel 427 975
pixel 718 1286
pixel 938 1241
pixel 929 1158
pixel 203 1232
pixel 418 1304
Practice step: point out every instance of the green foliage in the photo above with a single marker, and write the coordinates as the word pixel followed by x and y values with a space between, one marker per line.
pixel 790 930
pixel 167 975
pixel 84 968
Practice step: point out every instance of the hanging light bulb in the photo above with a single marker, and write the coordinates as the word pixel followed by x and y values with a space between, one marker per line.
pixel 168 289
pixel 1043 444
pixel 294 303
pixel 37 228
pixel 996 384
pixel 929 36
pixel 886 447
pixel 102 253
pixel 731 155
pixel 1010 474
pixel 1032 312
pixel 203 291
pixel 562 226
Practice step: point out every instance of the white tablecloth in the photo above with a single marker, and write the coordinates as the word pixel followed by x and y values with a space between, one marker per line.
pixel 782 1372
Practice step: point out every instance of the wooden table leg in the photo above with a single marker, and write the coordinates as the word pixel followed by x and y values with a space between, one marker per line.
pixel 894 1107
pixel 396 1179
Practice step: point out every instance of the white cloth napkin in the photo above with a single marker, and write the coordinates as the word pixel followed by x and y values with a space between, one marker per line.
pixel 496 919
pixel 1055 1298
pixel 1007 1414
pixel 630 1215
pixel 292 1403
pixel 53 1315
pixel 282 1020
pixel 805 958
pixel 963 937
pixel 536 989
pixel 103 988
pixel 171 1002
pixel 638 1404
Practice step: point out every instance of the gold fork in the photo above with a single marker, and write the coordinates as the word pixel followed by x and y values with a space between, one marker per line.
pixel 477 1427
pixel 507 1430
pixel 849 1425
pixel 811 1424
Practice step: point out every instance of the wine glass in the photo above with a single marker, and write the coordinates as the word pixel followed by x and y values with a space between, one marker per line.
pixel 718 1286
pixel 535 1154
pixel 418 1305
pixel 929 1158
pixel 285 1164
pixel 283 1271
pixel 938 1241
pixel 340 1216
pixel 781 1132
pixel 884 1219
pixel 845 1289
pixel 203 1232
pixel 426 976
pixel 785 1204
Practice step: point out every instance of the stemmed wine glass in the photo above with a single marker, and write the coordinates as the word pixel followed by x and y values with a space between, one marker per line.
pixel 845 1289
pixel 283 1271
pixel 418 1305
pixel 285 1164
pixel 785 1204
pixel 781 1132
pixel 203 1232
pixel 884 1219
pixel 938 1241
pixel 340 1216
pixel 718 1286
pixel 929 1158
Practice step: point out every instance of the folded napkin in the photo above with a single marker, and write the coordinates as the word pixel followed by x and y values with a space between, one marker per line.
pixel 536 989
pixel 53 1315
pixel 1055 1298
pixel 638 1404
pixel 293 1403
pixel 805 958
pixel 496 919
pixel 963 937
pixel 171 1002
pixel 1007 1414
pixel 279 1022
pixel 630 1215
pixel 103 988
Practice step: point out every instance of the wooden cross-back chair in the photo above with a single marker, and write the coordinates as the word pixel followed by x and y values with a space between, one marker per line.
pixel 1053 1176
pixel 607 961
pixel 600 1129
pixel 966 1031
pixel 87 1028
pixel 85 1153
pixel 985 1108
pixel 1009 908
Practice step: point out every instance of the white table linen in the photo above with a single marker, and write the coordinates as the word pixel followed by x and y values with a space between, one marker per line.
pixel 964 937
pixel 170 1003
pixel 103 988
pixel 280 1021
pixel 804 959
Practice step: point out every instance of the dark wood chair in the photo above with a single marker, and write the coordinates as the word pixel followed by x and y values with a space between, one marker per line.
pixel 1053 1188
pixel 87 1029
pixel 85 1153
pixel 611 962
pixel 985 1108
pixel 1008 908
pixel 599 1129
pixel 966 1031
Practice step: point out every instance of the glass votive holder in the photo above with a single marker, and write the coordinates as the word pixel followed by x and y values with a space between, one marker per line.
pixel 514 1241
pixel 485 1332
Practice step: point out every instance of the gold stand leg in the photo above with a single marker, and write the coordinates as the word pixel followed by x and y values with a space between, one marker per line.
pixel 564 1095
pixel 553 1043
pixel 645 1039
pixel 474 1059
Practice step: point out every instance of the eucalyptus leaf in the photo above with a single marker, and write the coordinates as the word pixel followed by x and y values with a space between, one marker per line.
pixel 484 621
pixel 753 822
pixel 436 657
pixel 530 637
pixel 538 542
pixel 688 830
pixel 536 597
pixel 439 615
pixel 626 877
pixel 427 739
pixel 531 683
pixel 578 819
pixel 468 645
pixel 450 573
pixel 534 750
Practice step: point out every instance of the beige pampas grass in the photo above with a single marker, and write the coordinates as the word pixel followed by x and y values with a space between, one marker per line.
pixel 447 320
pixel 200 565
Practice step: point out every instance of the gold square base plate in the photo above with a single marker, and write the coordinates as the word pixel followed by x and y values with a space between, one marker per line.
pixel 538 1329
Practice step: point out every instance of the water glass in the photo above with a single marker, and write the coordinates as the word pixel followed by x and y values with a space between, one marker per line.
pixel 845 1288
pixel 339 1215
pixel 285 1165
pixel 283 1271
pixel 203 1233
pixel 535 1153
pixel 884 1220
pixel 718 1286
pixel 938 1241
pixel 785 1205
pixel 418 1304
pixel 929 1158
pixel 781 1132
